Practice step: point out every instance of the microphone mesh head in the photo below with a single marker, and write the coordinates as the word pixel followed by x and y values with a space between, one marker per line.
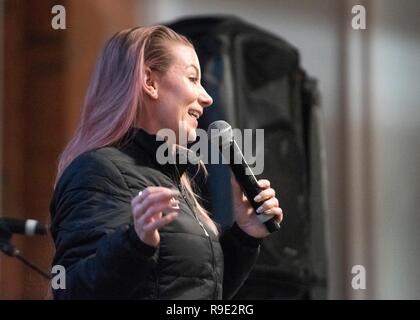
pixel 220 129
pixel 219 124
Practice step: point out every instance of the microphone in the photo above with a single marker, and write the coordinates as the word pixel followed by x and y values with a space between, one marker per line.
pixel 27 227
pixel 220 132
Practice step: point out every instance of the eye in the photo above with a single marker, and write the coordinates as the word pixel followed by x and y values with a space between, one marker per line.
pixel 193 79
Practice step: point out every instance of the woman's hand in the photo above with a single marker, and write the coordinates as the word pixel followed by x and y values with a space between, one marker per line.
pixel 245 215
pixel 152 209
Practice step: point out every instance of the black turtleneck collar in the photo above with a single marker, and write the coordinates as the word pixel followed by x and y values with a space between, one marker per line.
pixel 150 144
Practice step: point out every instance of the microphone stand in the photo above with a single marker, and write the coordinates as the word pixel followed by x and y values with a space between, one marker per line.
pixel 12 251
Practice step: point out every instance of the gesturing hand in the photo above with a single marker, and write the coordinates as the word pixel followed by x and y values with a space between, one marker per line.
pixel 152 209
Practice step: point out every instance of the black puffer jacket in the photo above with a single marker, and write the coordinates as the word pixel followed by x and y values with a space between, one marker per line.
pixel 96 242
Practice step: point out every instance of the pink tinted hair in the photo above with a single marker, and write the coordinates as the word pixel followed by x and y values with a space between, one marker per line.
pixel 113 100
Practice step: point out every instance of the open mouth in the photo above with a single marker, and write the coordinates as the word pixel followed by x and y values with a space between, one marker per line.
pixel 194 113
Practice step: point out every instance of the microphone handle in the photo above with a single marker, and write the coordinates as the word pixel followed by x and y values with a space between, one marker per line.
pixel 250 187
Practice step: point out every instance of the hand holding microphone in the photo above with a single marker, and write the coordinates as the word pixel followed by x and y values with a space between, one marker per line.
pixel 259 195
pixel 245 215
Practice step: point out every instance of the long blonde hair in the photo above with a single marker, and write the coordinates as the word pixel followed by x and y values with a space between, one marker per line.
pixel 114 97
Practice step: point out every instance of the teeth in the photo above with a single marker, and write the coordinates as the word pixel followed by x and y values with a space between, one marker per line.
pixel 193 113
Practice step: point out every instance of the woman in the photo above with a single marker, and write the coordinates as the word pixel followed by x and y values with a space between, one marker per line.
pixel 125 226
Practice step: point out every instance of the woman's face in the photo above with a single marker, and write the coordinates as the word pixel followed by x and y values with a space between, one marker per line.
pixel 180 98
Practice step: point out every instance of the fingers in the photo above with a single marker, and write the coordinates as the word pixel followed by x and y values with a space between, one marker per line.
pixel 153 191
pixel 156 204
pixel 155 212
pixel 268 204
pixel 271 206
pixel 148 209
pixel 153 218
pixel 265 194
pixel 277 212
pixel 160 223
pixel 264 184
pixel 149 205
pixel 152 196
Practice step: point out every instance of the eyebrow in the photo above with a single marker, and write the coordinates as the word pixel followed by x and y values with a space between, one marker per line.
pixel 196 69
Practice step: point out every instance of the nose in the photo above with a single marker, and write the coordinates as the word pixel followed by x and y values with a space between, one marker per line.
pixel 204 98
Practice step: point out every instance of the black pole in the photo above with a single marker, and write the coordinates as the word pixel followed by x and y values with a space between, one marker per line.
pixel 12 251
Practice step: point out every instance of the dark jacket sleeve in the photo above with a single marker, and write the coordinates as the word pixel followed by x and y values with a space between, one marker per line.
pixel 93 233
pixel 240 252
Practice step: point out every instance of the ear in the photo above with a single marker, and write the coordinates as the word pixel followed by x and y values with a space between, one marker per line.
pixel 150 84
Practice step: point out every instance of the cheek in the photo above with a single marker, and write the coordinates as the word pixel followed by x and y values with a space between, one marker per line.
pixel 184 97
pixel 175 111
pixel 180 95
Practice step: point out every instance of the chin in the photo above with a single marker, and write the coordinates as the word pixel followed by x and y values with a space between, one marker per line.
pixel 192 135
pixel 187 132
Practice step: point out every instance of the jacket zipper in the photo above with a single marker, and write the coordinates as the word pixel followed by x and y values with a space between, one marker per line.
pixel 208 238
pixel 202 226
pixel 213 259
